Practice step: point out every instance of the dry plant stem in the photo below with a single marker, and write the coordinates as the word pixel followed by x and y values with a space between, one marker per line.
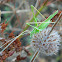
pixel 20 5
pixel 56 22
pixel 4 1
pixel 11 17
pixel 13 29
pixel 46 37
pixel 36 53
pixel 15 39
pixel 10 41
pixel 37 3
pixel 18 19
pixel 0 15
pixel 18 11
pixel 6 43
pixel 54 25
pixel 8 5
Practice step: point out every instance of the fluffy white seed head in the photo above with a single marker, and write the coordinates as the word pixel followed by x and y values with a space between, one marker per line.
pixel 49 46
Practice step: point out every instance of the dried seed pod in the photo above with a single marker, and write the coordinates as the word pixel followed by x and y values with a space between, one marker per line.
pixel 48 46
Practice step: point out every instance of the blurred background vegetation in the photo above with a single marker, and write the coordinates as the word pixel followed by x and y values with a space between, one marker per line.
pixel 18 12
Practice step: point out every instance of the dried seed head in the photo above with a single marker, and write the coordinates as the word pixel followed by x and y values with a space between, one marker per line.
pixel 49 46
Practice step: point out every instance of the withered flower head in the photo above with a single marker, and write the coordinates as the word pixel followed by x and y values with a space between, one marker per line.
pixel 49 46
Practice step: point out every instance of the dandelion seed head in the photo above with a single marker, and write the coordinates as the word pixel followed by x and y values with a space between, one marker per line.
pixel 49 46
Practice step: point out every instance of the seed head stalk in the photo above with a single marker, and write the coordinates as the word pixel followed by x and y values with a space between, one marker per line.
pixel 33 59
